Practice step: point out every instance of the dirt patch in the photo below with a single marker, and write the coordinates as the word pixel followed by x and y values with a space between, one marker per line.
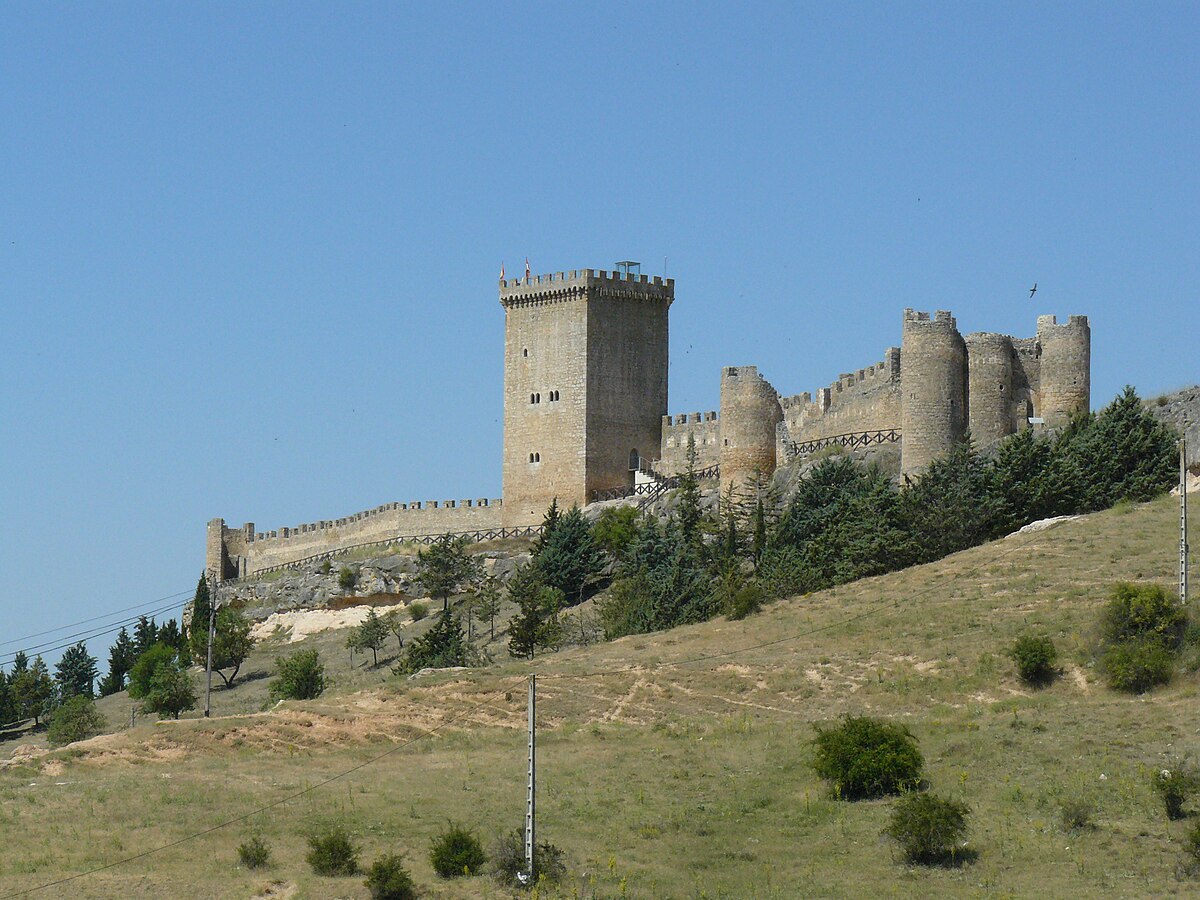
pixel 276 890
pixel 1079 679
pixel 298 624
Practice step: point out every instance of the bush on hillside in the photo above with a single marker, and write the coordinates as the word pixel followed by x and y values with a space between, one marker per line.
pixel 1139 612
pixel 1176 785
pixel 331 851
pixel 254 852
pixel 418 609
pixel 1191 847
pixel 929 829
pixel 456 851
pixel 76 720
pixel 146 666
pixel 508 860
pixel 866 758
pixel 347 578
pixel 1135 667
pixel 388 879
pixel 301 676
pixel 1036 658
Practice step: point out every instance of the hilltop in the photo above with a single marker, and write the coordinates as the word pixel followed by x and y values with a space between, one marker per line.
pixel 664 777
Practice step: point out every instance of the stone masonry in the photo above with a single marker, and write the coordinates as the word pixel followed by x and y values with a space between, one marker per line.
pixel 585 404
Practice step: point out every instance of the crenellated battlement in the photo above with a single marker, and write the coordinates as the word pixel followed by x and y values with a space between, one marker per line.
pixel 577 284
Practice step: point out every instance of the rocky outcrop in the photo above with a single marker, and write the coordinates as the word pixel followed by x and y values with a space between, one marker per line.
pixel 1181 410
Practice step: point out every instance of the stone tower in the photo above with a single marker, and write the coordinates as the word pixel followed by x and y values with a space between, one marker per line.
pixel 990 395
pixel 585 385
pixel 1066 367
pixel 750 413
pixel 933 400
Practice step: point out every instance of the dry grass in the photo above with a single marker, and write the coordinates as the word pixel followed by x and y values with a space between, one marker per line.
pixel 672 778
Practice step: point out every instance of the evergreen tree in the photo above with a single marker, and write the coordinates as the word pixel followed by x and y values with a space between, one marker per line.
pixel 488 602
pixel 951 506
pixel 20 662
pixel 616 529
pixel 145 635
pixel 446 567
pixel 537 607
pixel 549 524
pixel 441 646
pixel 146 666
pixel 75 673
pixel 688 512
pixel 198 627
pixel 171 635
pixel 231 643
pixel 8 713
pixel 1027 480
pixel 568 558
pixel 369 635
pixel 120 658
pixel 32 691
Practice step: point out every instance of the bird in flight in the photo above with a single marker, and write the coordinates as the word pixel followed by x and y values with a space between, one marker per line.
pixel 1033 290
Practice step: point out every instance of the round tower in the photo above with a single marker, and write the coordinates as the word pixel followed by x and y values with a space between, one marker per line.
pixel 933 388
pixel 750 412
pixel 1066 368
pixel 989 386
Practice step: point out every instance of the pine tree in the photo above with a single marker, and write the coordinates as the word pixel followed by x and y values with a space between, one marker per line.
pixel 537 610
pixel 198 627
pixel 20 662
pixel 120 658
pixel 446 567
pixel 688 512
pixel 33 691
pixel 369 635
pixel 7 711
pixel 568 558
pixel 75 673
pixel 231 643
pixel 145 635
pixel 441 646
pixel 549 523
pixel 171 690
pixel 488 602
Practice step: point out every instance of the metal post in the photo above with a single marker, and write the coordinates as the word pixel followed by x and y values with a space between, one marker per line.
pixel 212 628
pixel 532 792
pixel 1183 523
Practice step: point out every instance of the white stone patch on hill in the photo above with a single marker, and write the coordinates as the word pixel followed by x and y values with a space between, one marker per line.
pixel 300 623
pixel 1043 524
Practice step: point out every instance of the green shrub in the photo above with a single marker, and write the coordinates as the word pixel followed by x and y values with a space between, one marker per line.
pixel 254 853
pixel 781 573
pixel 326 567
pixel 929 829
pixel 301 676
pixel 347 578
pixel 388 879
pixel 418 609
pixel 1143 612
pixel 746 601
pixel 1191 846
pixel 1136 666
pixel 1076 813
pixel 1175 786
pixel 864 758
pixel 456 851
pixel 508 859
pixel 331 850
pixel 1036 658
pixel 76 720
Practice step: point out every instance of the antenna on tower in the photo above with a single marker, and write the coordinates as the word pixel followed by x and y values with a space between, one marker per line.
pixel 629 267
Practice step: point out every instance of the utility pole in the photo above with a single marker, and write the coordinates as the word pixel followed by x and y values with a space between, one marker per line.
pixel 1183 523
pixel 212 627
pixel 530 800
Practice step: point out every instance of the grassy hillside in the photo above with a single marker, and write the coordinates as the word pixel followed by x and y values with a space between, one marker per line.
pixel 675 764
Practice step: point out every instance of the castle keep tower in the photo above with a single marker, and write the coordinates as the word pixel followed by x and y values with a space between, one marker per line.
pixel 750 412
pixel 585 385
pixel 990 395
pixel 1066 368
pixel 933 369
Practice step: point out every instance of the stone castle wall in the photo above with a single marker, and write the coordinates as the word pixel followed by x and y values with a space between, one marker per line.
pixel 237 552
pixel 704 428
pixel 865 400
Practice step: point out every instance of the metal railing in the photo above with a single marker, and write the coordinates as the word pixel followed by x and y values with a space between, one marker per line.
pixel 650 491
pixel 853 439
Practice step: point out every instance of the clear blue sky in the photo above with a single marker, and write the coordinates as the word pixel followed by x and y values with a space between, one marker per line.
pixel 248 252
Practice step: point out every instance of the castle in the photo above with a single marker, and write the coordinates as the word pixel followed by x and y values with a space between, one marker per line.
pixel 585 412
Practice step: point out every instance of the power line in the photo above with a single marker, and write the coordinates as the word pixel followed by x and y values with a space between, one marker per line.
pixel 71 639
pixel 254 812
pixel 106 615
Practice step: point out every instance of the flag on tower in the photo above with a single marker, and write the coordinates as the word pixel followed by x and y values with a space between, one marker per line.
pixel 501 271
pixel 527 268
